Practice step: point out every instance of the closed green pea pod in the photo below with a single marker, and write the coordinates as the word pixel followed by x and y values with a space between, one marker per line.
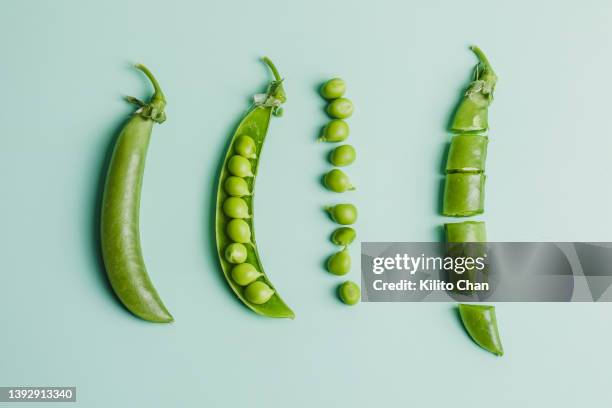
pixel 480 322
pixel 343 236
pixel 340 108
pixel 339 263
pixel 245 273
pixel 463 194
pixel 467 153
pixel 245 146
pixel 236 186
pixel 239 231
pixel 343 155
pixel 236 253
pixel 239 166
pixel 235 207
pixel 258 293
pixel 119 218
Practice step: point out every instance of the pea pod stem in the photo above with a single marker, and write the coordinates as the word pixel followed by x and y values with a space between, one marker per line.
pixel 272 67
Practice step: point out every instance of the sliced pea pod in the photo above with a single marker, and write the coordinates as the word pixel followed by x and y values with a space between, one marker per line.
pixel 467 231
pixel 472 114
pixel 467 153
pixel 463 194
pixel 254 125
pixel 481 324
pixel 467 239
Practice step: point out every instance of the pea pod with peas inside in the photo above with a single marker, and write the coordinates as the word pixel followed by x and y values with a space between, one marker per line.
pixel 119 220
pixel 235 232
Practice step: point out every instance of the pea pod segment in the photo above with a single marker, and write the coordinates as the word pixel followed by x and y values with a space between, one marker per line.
pixel 480 322
pixel 255 125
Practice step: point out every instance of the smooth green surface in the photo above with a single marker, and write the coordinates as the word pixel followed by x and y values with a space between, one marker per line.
pixel 120 211
pixel 466 231
pixel 481 324
pixel 65 66
pixel 464 194
pixel 467 153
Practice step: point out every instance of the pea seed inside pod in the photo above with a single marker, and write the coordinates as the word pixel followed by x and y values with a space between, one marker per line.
pixel 258 292
pixel 349 293
pixel 245 146
pixel 340 108
pixel 339 263
pixel 236 253
pixel 343 155
pixel 336 180
pixel 343 214
pixel 335 131
pixel 343 236
pixel 334 88
pixel 235 207
pixel 239 166
pixel 239 231
pixel 236 187
pixel 245 273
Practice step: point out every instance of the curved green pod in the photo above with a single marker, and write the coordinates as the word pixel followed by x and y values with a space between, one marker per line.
pixel 119 221
pixel 472 114
pixel 467 153
pixel 254 125
pixel 463 194
pixel 481 324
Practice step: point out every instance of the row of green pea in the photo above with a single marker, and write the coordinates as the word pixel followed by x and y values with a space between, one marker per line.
pixel 337 130
pixel 238 230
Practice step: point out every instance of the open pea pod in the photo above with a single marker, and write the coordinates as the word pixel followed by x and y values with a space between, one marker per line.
pixel 254 125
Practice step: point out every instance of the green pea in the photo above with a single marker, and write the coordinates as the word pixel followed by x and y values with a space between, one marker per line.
pixel 239 166
pixel 336 180
pixel 334 88
pixel 349 293
pixel 343 236
pixel 335 131
pixel 340 108
pixel 245 146
pixel 235 207
pixel 258 292
pixel 236 186
pixel 245 273
pixel 236 253
pixel 343 214
pixel 339 263
pixel 342 155
pixel 239 231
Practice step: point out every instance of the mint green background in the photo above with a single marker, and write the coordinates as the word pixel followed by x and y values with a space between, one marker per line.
pixel 64 68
